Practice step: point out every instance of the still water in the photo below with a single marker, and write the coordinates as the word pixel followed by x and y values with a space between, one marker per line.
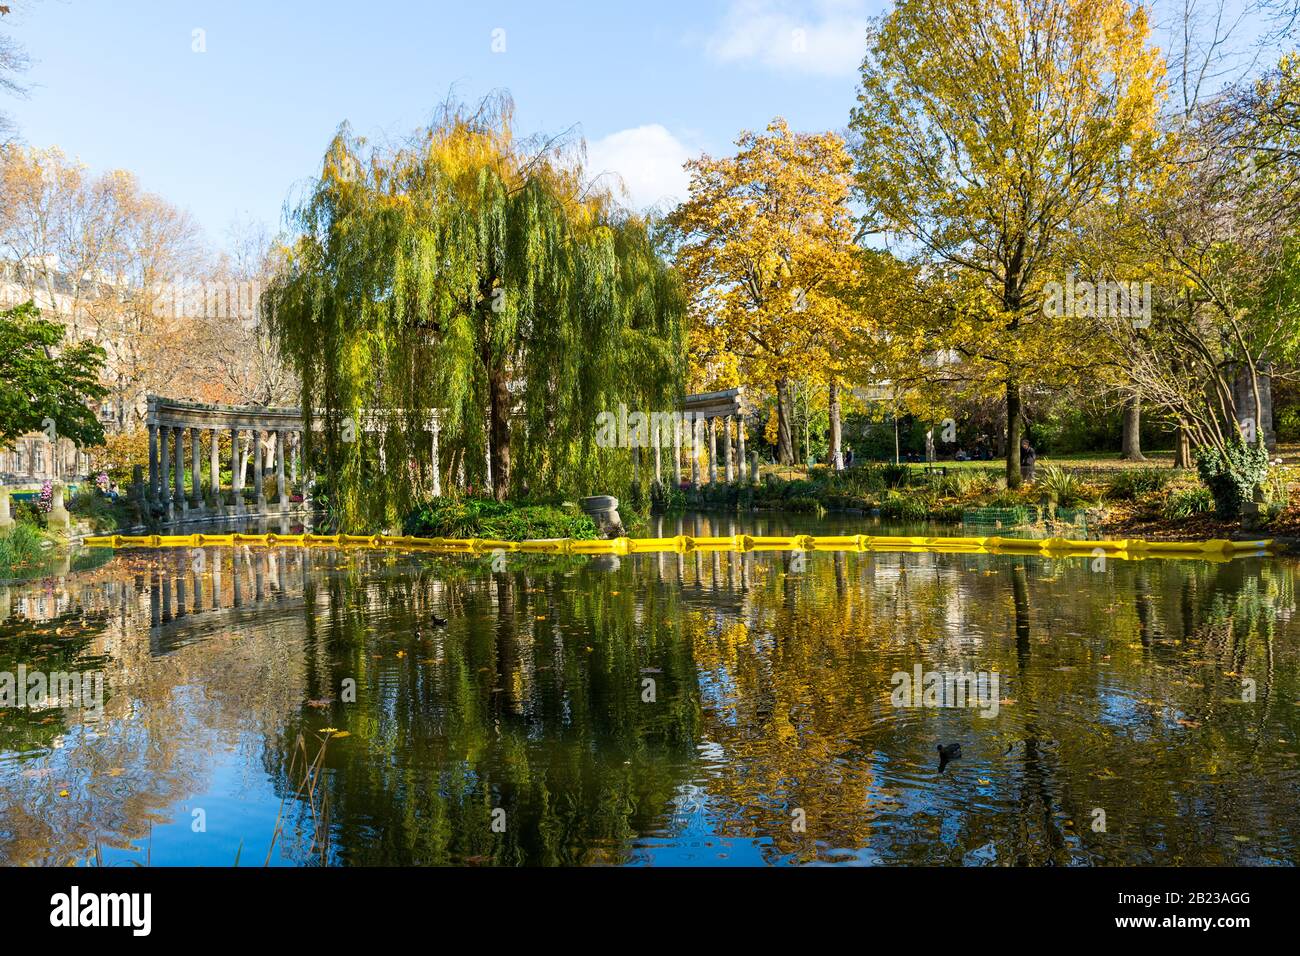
pixel 298 708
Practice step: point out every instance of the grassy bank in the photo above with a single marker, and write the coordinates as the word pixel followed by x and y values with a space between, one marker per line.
pixel 1129 501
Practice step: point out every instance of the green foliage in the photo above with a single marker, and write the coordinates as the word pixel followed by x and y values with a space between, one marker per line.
pixel 1129 484
pixel 1186 502
pixel 907 507
pixel 486 518
pixel 474 273
pixel 805 504
pixel 1232 475
pixel 41 378
pixel 1063 486
pixel 665 497
pixel 20 550
pixel 100 511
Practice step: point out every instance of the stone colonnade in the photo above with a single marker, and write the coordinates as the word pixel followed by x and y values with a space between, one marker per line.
pixel 178 431
pixel 703 421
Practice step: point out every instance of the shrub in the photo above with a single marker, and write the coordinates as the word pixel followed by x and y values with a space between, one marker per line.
pixel 20 549
pixel 96 509
pixel 1062 485
pixel 904 507
pixel 805 504
pixel 1232 475
pixel 1187 502
pixel 1131 483
pixel 485 518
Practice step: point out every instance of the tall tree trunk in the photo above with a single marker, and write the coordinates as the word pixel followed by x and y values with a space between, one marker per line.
pixel 499 432
pixel 833 406
pixel 1013 432
pixel 1182 447
pixel 1131 443
pixel 784 440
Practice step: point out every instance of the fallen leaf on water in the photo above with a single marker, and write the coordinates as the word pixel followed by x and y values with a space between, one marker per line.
pixel 116 771
pixel 63 793
pixel 322 702
pixel 983 781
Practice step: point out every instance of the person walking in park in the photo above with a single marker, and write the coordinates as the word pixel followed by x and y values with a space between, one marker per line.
pixel 1027 458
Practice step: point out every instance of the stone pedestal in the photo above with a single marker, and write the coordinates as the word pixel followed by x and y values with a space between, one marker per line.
pixel 58 519
pixel 603 510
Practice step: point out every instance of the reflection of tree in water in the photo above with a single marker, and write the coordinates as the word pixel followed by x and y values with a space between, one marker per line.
pixel 165 714
pixel 528 701
pixel 1101 709
pixel 1121 690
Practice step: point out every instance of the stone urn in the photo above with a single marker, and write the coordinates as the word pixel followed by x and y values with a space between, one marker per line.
pixel 603 511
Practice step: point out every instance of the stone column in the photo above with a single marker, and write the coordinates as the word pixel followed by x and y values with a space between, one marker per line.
pixel 6 525
pixel 281 492
pixel 196 469
pixel 740 445
pixel 178 491
pixel 214 466
pixel 676 449
pixel 726 448
pixel 713 451
pixel 153 462
pixel 437 467
pixel 236 472
pixel 257 469
pixel 697 436
pixel 295 441
pixel 162 491
pixel 657 432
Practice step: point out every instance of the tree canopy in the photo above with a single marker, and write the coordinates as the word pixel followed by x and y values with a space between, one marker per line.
pixel 40 381
pixel 480 274
pixel 984 129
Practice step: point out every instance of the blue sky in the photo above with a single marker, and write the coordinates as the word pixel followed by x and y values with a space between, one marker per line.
pixel 230 132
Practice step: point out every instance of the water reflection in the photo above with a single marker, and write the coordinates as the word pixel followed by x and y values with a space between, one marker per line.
pixel 664 708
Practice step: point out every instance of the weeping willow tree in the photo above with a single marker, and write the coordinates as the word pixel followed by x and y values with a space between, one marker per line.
pixel 482 275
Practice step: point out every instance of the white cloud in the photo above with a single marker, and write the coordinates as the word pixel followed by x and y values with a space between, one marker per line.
pixel 648 160
pixel 826 37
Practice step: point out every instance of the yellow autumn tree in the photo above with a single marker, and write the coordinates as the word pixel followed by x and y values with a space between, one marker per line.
pixel 762 241
pixel 984 130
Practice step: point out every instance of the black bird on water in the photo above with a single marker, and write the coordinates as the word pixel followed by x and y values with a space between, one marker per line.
pixel 437 621
pixel 948 753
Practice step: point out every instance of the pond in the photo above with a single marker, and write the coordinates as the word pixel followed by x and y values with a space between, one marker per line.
pixel 298 707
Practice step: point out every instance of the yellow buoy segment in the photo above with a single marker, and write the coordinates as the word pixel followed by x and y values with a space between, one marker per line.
pixel 1129 549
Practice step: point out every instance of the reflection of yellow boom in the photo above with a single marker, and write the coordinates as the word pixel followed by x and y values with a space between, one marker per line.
pixel 1130 549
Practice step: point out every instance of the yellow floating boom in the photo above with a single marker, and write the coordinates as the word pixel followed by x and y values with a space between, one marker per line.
pixel 1129 549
